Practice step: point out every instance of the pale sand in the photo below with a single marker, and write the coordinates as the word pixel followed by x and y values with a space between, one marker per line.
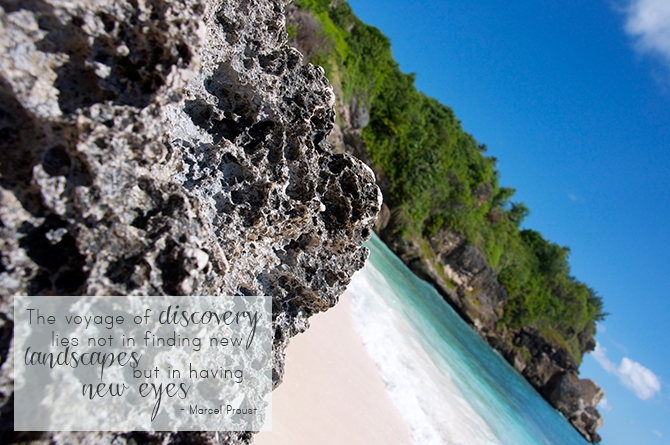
pixel 332 392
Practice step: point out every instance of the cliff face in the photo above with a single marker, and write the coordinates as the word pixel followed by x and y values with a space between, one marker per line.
pixel 463 276
pixel 462 273
pixel 169 148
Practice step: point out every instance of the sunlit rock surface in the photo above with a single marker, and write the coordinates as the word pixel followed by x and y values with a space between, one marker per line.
pixel 169 148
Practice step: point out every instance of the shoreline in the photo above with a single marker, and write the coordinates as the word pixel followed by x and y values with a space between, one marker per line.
pixel 332 392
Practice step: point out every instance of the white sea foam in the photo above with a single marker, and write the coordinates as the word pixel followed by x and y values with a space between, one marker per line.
pixel 434 408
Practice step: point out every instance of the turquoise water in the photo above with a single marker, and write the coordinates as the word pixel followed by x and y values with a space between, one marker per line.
pixel 447 383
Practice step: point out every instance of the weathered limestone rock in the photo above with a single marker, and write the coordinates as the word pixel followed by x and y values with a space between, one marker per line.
pixel 459 271
pixel 576 399
pixel 169 148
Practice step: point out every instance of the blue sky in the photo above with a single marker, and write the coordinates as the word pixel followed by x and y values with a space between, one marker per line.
pixel 573 99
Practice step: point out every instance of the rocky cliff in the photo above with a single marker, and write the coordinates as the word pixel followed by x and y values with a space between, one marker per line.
pixel 460 271
pixel 462 275
pixel 169 148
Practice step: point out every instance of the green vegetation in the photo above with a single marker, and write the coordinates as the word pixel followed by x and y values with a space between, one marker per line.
pixel 441 178
pixel 291 31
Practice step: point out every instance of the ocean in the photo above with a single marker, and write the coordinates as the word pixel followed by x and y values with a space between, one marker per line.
pixel 449 385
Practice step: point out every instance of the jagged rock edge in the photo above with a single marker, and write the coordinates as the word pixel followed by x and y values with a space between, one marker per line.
pixel 170 148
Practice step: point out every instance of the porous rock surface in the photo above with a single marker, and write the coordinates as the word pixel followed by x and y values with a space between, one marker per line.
pixel 169 148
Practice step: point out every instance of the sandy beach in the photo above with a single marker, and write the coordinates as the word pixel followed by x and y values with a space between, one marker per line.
pixel 332 392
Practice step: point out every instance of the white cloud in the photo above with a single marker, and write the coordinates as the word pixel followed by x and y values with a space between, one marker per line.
pixel 599 355
pixel 649 22
pixel 658 433
pixel 604 405
pixel 638 378
pixel 642 381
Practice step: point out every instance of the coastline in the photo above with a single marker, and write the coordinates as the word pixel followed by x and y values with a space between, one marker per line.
pixel 332 392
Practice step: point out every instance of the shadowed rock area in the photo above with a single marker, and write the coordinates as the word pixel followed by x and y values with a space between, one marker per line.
pixel 169 148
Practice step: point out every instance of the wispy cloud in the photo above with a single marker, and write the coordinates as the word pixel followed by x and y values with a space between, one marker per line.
pixel 600 355
pixel 658 433
pixel 641 380
pixel 648 21
pixel 602 332
pixel 604 405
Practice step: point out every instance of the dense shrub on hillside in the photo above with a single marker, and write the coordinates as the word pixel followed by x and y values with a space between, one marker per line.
pixel 440 177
